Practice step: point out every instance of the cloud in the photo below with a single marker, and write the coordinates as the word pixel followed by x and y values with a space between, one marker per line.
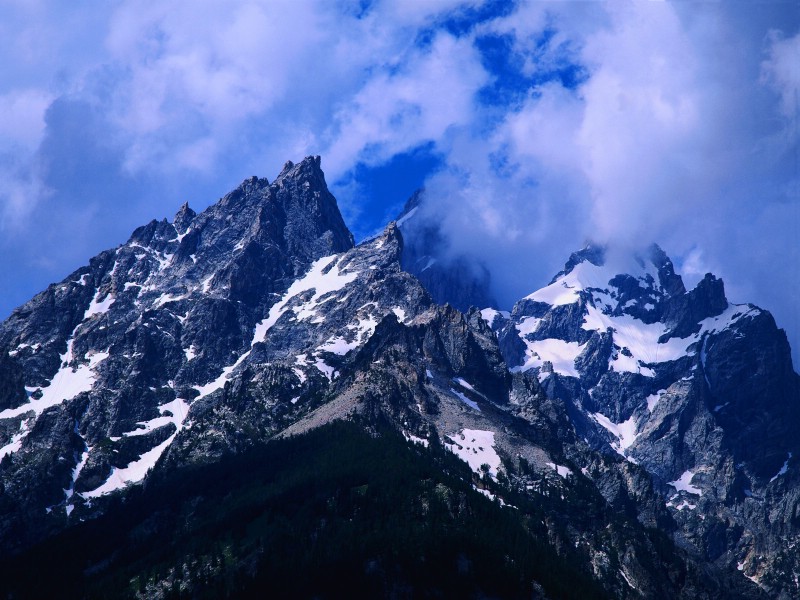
pixel 782 70
pixel 551 123
pixel 684 132
pixel 23 124
pixel 404 107
pixel 184 91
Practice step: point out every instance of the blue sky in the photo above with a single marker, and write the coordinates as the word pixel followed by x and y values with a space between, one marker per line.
pixel 533 126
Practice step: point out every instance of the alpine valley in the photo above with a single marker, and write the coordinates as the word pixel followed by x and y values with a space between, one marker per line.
pixel 243 403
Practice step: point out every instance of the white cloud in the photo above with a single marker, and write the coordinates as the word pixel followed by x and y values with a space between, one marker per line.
pixel 407 105
pixel 20 189
pixel 188 73
pixel 782 70
pixel 641 127
pixel 22 117
pixel 683 133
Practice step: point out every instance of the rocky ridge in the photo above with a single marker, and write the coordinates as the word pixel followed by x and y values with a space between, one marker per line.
pixel 698 391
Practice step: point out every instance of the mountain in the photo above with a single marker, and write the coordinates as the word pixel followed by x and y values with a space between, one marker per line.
pixel 247 379
pixel 697 391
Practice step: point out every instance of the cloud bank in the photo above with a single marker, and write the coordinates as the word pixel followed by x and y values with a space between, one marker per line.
pixel 548 124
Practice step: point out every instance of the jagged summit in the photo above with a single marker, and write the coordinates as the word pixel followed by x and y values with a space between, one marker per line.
pixel 592 253
pixel 309 167
pixel 183 218
pixel 648 369
pixel 131 336
pixel 634 302
pixel 130 348
pixel 625 262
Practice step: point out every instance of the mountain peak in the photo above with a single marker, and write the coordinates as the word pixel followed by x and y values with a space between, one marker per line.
pixel 310 168
pixel 591 253
pixel 596 266
pixel 669 280
pixel 392 240
pixel 183 218
pixel 310 210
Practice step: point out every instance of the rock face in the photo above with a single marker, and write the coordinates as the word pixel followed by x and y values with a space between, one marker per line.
pixel 657 422
pixel 697 391
pixel 113 356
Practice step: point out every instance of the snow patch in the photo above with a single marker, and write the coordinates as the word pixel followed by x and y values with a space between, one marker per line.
pixel 65 385
pixel 97 306
pixel 463 383
pixel 562 471
pixel 136 471
pixel 219 382
pixel 784 468
pixel 476 448
pixel 417 440
pixel 528 325
pixel 561 354
pixel 652 400
pixel 34 348
pixel 16 440
pixel 133 473
pixel 684 484
pixel 302 361
pixel 490 314
pixel 165 298
pixel 465 400
pixel 171 412
pixel 76 472
pixel 566 289
pixel 639 338
pixel 325 369
pixel 321 282
pixel 627 579
pixel 338 345
pixel 625 432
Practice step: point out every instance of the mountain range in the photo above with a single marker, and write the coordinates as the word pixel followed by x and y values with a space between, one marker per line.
pixel 244 399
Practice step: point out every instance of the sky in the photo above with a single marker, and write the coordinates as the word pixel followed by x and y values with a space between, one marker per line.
pixel 534 127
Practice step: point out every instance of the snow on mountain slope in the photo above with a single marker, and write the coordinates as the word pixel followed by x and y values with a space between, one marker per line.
pixel 126 346
pixel 557 322
pixel 697 391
